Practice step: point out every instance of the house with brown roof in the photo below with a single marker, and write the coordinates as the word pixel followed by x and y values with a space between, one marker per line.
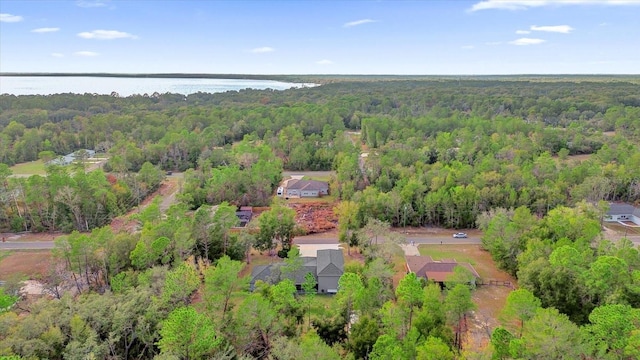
pixel 436 271
pixel 305 188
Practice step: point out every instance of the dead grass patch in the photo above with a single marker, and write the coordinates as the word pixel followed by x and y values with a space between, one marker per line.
pixel 621 229
pixel 33 264
pixel 471 253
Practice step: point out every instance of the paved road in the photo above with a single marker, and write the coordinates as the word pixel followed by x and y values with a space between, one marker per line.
pixel 26 245
pixel 422 239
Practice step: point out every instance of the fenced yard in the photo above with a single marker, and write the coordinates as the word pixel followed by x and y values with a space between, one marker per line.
pixel 489 297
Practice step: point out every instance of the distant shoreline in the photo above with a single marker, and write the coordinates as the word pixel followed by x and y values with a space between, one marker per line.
pixel 153 76
pixel 331 78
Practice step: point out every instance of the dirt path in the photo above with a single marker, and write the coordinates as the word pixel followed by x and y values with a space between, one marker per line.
pixel 175 182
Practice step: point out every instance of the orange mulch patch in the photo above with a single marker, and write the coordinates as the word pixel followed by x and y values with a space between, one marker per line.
pixel 315 217
pixel 30 263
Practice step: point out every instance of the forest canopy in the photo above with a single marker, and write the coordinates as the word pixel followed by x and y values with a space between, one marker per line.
pixel 532 162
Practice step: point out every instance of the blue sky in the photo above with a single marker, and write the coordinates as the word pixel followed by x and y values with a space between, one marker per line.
pixel 322 37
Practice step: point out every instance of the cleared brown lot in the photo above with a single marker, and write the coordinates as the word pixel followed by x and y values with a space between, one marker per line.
pixel 32 264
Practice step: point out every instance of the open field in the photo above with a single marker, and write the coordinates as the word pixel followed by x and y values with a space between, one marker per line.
pixel 329 199
pixel 311 175
pixel 622 230
pixel 325 178
pixel 473 254
pixel 32 264
pixel 28 168
pixel 38 168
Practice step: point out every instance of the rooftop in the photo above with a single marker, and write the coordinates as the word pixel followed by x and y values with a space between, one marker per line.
pixel 294 184
pixel 437 271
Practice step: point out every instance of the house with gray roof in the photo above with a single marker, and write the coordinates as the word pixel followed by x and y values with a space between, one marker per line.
pixel 305 188
pixel 70 158
pixel 326 267
pixel 620 212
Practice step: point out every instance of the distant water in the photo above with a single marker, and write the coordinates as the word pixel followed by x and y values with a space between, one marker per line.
pixel 47 85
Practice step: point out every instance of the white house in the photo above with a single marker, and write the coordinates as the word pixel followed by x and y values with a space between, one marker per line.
pixel 623 212
pixel 305 188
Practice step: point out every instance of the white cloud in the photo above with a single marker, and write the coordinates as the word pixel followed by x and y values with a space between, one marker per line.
pixel 262 50
pixel 358 22
pixel 85 53
pixel 324 62
pixel 90 4
pixel 522 32
pixel 10 18
pixel 106 35
pixel 58 55
pixel 565 29
pixel 45 30
pixel 467 47
pixel 526 4
pixel 527 41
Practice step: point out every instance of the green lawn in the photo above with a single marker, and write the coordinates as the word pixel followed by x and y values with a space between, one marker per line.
pixel 29 168
pixel 326 178
pixel 472 254
pixel 4 254
pixel 439 252
pixel 324 199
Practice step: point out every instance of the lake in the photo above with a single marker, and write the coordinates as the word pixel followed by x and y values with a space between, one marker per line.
pixel 47 85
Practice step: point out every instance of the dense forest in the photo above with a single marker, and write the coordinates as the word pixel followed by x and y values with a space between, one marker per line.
pixel 437 152
pixel 532 163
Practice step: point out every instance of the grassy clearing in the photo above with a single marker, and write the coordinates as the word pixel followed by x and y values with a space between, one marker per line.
pixel 490 300
pixel 473 254
pixel 4 254
pixel 439 252
pixel 29 168
pixel 621 229
pixel 32 263
pixel 325 199
pixel 325 178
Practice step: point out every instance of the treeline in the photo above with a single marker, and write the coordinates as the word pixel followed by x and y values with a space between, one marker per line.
pixel 64 123
pixel 156 293
pixel 578 291
pixel 429 152
pixel 70 199
pixel 163 298
pixel 562 259
pixel 452 177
